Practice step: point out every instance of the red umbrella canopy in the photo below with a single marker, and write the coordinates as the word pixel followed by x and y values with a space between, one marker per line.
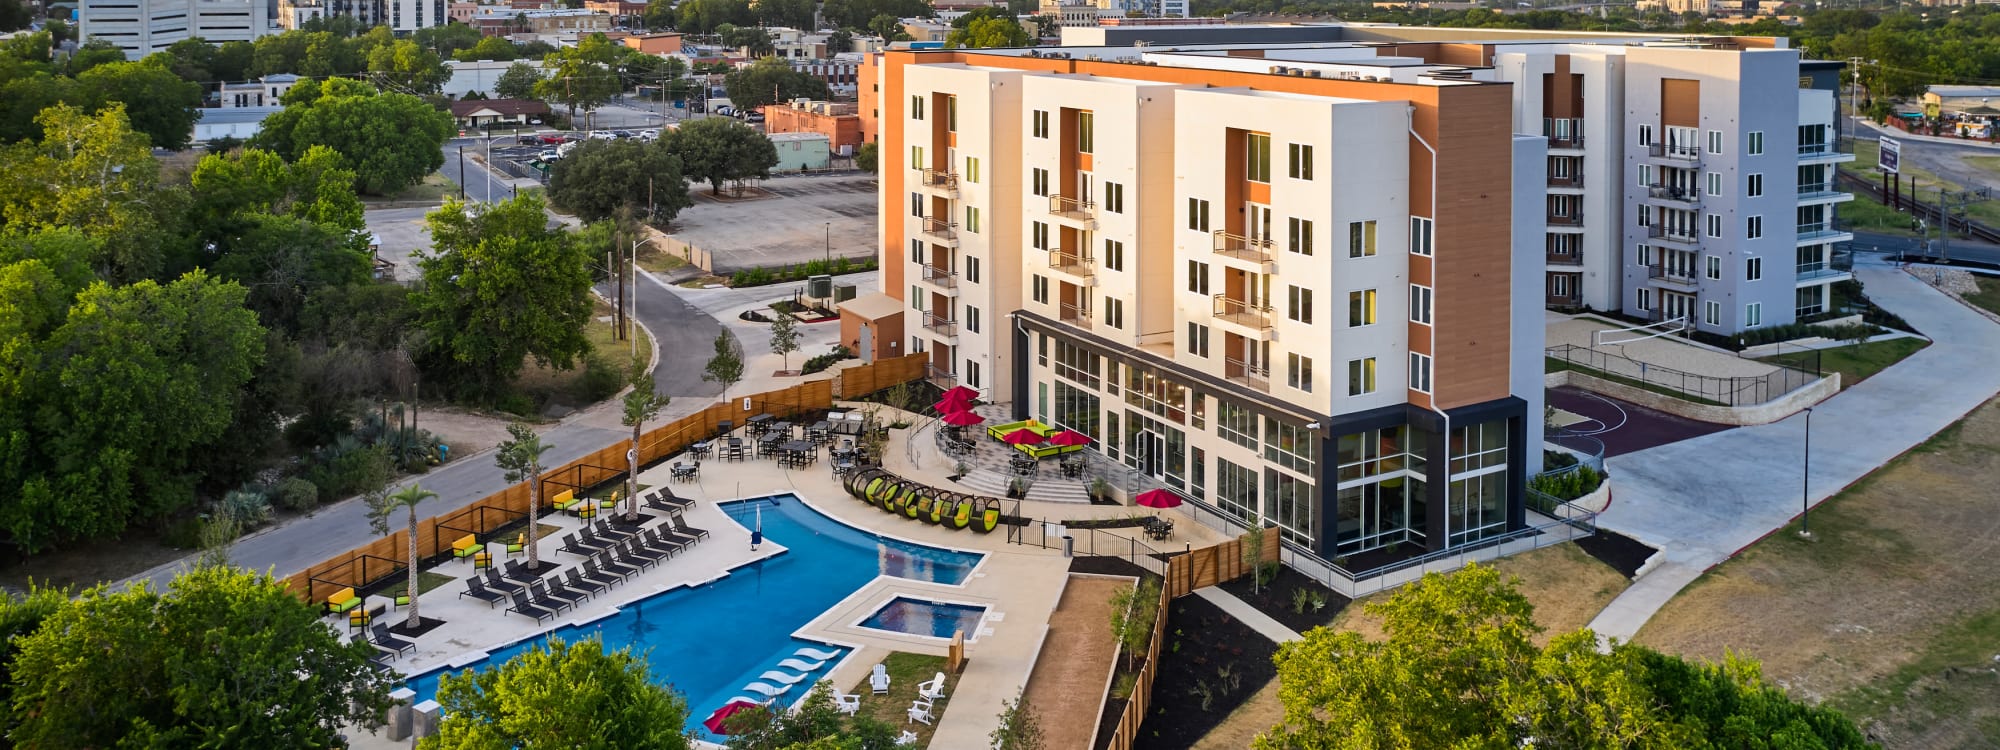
pixel 1023 436
pixel 963 419
pixel 717 720
pixel 961 394
pixel 1158 499
pixel 947 407
pixel 1067 438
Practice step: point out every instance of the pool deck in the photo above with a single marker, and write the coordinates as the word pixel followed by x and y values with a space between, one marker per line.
pixel 1019 585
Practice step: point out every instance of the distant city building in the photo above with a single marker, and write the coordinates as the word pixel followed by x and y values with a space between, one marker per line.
pixel 798 152
pixel 264 92
pixel 838 122
pixel 658 43
pixel 838 74
pixel 142 27
pixel 480 76
pixel 216 123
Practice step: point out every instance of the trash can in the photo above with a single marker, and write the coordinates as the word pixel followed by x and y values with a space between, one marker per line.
pixel 1069 546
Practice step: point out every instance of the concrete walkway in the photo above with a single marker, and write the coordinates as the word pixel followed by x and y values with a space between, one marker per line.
pixel 1241 610
pixel 1700 501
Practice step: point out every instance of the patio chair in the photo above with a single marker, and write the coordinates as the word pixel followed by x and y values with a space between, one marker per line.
pixel 514 571
pixel 496 583
pixel 686 530
pixel 380 636
pixel 576 546
pixel 541 598
pixel 380 662
pixel 920 712
pixel 781 678
pixel 802 665
pixel 932 690
pixel 522 605
pixel 654 543
pixel 906 738
pixel 594 573
pixel 819 655
pixel 611 531
pixel 666 533
pixel 848 704
pixel 606 563
pixel 585 585
pixel 879 680
pixel 767 691
pixel 632 558
pixel 551 589
pixel 477 590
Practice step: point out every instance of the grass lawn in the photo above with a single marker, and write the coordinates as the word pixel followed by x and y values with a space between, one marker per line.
pixel 905 672
pixel 655 261
pixel 1988 297
pixel 1559 365
pixel 1890 613
pixel 1865 215
pixel 1854 363
pixel 1867 152
pixel 1567 587
pixel 427 581
pixel 432 190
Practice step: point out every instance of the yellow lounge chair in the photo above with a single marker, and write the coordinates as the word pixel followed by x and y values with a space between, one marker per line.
pixel 342 601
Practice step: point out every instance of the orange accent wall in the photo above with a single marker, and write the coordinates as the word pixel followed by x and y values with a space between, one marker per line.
pixel 1680 102
pixel 868 99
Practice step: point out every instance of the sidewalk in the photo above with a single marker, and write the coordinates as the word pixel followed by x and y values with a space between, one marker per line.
pixel 1701 501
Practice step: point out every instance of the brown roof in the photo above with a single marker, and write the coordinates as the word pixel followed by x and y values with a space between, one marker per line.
pixel 502 107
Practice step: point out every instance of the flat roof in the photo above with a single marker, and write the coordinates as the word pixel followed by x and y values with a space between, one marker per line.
pixel 872 306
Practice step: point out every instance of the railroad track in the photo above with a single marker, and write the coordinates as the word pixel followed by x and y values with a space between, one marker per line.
pixel 1925 211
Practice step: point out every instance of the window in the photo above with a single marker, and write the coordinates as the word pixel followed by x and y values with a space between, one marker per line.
pixel 1198 278
pixel 1715 183
pixel 1361 308
pixel 916 251
pixel 1039 179
pixel 1420 373
pixel 917 158
pixel 1038 235
pixel 1301 162
pixel 971 167
pixel 1299 372
pixel 1198 214
pixel 1236 489
pixel 1756 228
pixel 917 107
pixel 1756 186
pixel 1041 126
pixel 1714 225
pixel 971 369
pixel 1715 141
pixel 1086 133
pixel 1645 255
pixel 1257 157
pixel 1114 197
pixel 1714 266
pixel 1197 339
pixel 972 219
pixel 1236 424
pixel 1646 299
pixel 971 319
pixel 971 270
pixel 1645 135
pixel 1300 236
pixel 1420 304
pixel 1361 376
pixel 1361 239
pixel 1645 175
pixel 1114 255
pixel 1711 313
pixel 916 204
pixel 1754 144
pixel 1114 312
pixel 1420 236
pixel 1299 304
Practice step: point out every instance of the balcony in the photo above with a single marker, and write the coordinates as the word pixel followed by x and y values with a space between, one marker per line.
pixel 1818 192
pixel 1660 233
pixel 940 325
pixel 1243 313
pixel 940 181
pixel 1562 301
pixel 1566 181
pixel 940 277
pixel 1682 197
pixel 1256 376
pixel 1572 258
pixel 1812 274
pixel 1074 315
pixel 1572 141
pixel 939 376
pixel 1823 153
pixel 1680 152
pixel 1824 231
pixel 1239 247
pixel 941 232
pixel 1081 211
pixel 1083 267
pixel 1673 276
pixel 1572 220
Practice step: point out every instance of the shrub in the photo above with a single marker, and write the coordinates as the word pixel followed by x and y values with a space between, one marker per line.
pixel 247 508
pixel 600 377
pixel 1552 460
pixel 1569 485
pixel 347 468
pixel 295 493
pixel 518 404
pixel 819 363
pixel 183 533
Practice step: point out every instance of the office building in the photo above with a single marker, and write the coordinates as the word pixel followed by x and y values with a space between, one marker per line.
pixel 143 27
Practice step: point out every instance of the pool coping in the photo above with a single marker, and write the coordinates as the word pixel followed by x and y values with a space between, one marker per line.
pixel 985 610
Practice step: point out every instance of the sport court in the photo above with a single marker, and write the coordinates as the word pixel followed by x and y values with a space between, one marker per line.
pixel 1624 427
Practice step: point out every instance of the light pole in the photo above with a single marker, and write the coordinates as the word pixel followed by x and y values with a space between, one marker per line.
pixel 1805 483
pixel 829 247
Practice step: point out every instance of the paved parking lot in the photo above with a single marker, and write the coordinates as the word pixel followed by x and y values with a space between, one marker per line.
pixel 792 225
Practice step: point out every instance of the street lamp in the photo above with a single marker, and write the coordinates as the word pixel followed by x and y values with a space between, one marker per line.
pixel 829 246
pixel 1805 483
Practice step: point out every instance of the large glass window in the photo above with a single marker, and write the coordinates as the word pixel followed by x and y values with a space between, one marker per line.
pixel 1158 395
pixel 1076 409
pixel 1479 446
pixel 1477 507
pixel 1257 161
pixel 1077 364
pixel 1291 446
pixel 1288 502
pixel 1236 490
pixel 1236 424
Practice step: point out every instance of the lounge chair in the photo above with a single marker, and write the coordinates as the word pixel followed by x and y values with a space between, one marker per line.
pixel 576 581
pixel 477 590
pixel 559 586
pixel 815 654
pixel 496 583
pixel 578 547
pixel 380 662
pixel 651 542
pixel 638 549
pixel 466 546
pixel 380 636
pixel 627 555
pixel 551 589
pixel 767 690
pixel 523 606
pixel 906 738
pixel 920 712
pixel 668 541
pixel 514 571
pixel 682 527
pixel 879 681
pixel 781 677
pixel 848 704
pixel 540 596
pixel 611 531
pixel 802 665
pixel 932 690
pixel 610 569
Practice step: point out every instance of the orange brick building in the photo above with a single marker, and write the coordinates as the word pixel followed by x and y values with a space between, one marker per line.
pixel 838 122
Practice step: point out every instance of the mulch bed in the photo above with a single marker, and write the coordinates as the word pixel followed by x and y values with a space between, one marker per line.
pixel 1274 598
pixel 1202 642
pixel 1106 566
pixel 1623 553
pixel 425 625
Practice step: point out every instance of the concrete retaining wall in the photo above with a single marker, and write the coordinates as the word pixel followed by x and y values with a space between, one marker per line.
pixel 1764 413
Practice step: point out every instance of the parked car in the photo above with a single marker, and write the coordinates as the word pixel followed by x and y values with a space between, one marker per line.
pixel 549 156
pixel 726 111
pixel 553 138
pixel 755 117
pixel 649 134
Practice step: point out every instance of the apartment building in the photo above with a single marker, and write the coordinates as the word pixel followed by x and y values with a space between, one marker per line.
pixel 1299 297
pixel 143 27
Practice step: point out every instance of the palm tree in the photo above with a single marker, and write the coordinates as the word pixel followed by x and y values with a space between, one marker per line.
pixel 522 459
pixel 380 507
pixel 641 404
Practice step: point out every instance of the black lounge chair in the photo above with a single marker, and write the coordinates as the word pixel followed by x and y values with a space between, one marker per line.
pixel 477 590
pixel 635 556
pixel 514 571
pixel 611 532
pixel 668 534
pixel 551 589
pixel 585 585
pixel 380 662
pixel 611 569
pixel 682 527
pixel 577 547
pixel 382 638
pixel 501 585
pixel 656 554
pixel 523 606
pixel 667 501
pixel 653 542
pixel 542 599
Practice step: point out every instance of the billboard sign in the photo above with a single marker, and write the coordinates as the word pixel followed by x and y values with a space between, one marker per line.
pixel 1892 155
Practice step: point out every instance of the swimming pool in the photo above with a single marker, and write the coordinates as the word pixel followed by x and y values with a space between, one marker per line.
pixel 927 618
pixel 710 641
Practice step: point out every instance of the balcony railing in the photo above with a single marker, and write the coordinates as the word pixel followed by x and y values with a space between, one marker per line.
pixel 1821 270
pixel 1824 230
pixel 1677 151
pixel 1667 275
pixel 939 324
pixel 1072 208
pixel 1575 219
pixel 1573 140
pixel 1816 190
pixel 1663 234
pixel 1072 264
pixel 944 231
pixel 1076 315
pixel 1816 149
pixel 940 276
pixel 1685 196
pixel 1256 376
pixel 1574 258
pixel 1566 181
pixel 1242 312
pixel 938 178
pixel 939 376
pixel 1240 247
pixel 1562 300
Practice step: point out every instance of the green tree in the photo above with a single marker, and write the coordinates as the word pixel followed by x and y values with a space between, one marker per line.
pixel 222 658
pixel 560 695
pixel 499 287
pixel 785 337
pixel 600 177
pixel 580 76
pixel 755 85
pixel 92 173
pixel 750 40
pixel 726 367
pixel 706 16
pixel 1019 727
pixel 643 402
pixel 92 54
pixel 157 103
pixel 390 140
pixel 408 67
pixel 1133 612
pixel 381 506
pixel 797 14
pixel 518 81
pixel 659 15
pixel 889 27
pixel 866 157
pixel 14 15
pixel 718 149
pixel 448 40
pixel 489 48
pixel 521 459
pixel 989 32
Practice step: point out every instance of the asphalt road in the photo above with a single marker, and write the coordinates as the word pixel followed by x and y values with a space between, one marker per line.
pixel 684 335
pixel 482 185
pixel 1958 249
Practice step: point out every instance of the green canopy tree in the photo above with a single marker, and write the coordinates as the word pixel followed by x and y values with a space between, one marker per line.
pixel 518 81
pixel 499 286
pixel 659 15
pixel 409 67
pixel 756 84
pixel 600 177
pixel 718 149
pixel 726 367
pixel 797 14
pixel 451 38
pixel 785 337
pixel 222 658
pixel 390 140
pixel 560 695
pixel 521 459
pixel 706 16
pixel 996 29
pixel 752 41
pixel 92 54
pixel 580 76
pixel 90 172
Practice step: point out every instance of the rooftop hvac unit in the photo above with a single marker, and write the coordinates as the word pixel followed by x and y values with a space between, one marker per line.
pixel 1277 70
pixel 1092 58
pixel 819 287
pixel 843 293
pixel 1313 73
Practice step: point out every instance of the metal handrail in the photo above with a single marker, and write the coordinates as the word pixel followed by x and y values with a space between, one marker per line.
pixel 1066 206
pixel 1572 220
pixel 1665 192
pixel 1659 232
pixel 1242 312
pixel 1661 272
pixel 939 227
pixel 1681 152
pixel 940 324
pixel 1071 263
pixel 940 178
pixel 940 277
pixel 1242 247
pixel 1570 181
pixel 1076 315
pixel 1249 373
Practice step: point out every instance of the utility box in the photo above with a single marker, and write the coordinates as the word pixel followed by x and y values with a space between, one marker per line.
pixel 843 293
pixel 819 287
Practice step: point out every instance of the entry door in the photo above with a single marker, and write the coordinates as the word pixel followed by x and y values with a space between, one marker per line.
pixel 1679 306
pixel 1257 222
pixel 1151 449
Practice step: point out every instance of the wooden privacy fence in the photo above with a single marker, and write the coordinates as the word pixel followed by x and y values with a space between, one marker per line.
pixel 1127 731
pixel 858 381
pixel 384 557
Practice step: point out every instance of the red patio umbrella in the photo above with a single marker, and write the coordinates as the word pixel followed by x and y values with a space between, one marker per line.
pixel 963 419
pixel 717 720
pixel 1023 436
pixel 947 407
pixel 1157 499
pixel 1067 438
pixel 961 393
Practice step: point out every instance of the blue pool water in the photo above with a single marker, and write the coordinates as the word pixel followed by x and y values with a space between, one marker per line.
pixel 710 641
pixel 923 617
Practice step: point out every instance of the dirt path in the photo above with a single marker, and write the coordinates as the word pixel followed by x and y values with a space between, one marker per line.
pixel 1256 715
pixel 1067 687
